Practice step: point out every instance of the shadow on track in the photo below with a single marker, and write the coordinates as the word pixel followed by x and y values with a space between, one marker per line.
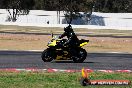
pixel 68 62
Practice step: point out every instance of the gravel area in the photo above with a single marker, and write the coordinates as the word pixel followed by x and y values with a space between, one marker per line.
pixel 39 42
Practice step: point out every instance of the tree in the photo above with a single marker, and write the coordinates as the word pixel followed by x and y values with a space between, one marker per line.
pixel 70 7
pixel 39 4
pixel 17 7
pixel 114 6
pixel 73 7
pixel 122 6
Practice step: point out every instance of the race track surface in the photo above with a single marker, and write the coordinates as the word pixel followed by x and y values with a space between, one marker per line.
pixel 96 61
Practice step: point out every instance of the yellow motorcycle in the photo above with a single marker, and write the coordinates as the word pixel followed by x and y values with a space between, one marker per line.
pixel 57 51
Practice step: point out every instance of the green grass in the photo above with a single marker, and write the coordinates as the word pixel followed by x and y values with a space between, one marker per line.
pixel 56 80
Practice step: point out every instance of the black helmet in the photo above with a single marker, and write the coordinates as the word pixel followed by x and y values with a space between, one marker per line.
pixel 68 28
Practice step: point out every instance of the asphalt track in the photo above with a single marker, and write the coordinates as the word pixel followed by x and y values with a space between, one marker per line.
pixel 96 61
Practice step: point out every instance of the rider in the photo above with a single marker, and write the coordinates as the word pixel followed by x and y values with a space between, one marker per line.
pixel 72 38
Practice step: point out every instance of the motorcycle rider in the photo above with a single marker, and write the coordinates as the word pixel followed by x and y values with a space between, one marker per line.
pixel 72 38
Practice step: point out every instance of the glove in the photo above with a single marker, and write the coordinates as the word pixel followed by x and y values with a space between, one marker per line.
pixel 59 37
pixel 65 44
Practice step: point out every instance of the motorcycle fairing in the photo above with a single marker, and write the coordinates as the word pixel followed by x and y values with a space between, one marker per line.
pixel 82 44
pixel 53 43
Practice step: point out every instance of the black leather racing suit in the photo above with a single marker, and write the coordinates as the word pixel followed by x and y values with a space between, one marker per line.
pixel 72 38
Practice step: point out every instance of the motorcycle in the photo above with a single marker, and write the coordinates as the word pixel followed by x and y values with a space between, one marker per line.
pixel 58 51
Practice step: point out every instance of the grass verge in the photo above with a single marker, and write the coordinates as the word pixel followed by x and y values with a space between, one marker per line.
pixel 57 80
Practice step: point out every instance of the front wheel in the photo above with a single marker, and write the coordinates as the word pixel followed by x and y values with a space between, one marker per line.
pixel 47 55
pixel 80 56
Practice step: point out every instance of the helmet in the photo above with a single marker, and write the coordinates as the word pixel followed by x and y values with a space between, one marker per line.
pixel 68 29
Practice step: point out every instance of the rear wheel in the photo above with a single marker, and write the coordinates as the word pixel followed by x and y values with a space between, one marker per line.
pixel 48 55
pixel 80 56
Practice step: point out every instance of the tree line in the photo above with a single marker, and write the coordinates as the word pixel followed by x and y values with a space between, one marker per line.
pixel 81 5
pixel 22 7
pixel 70 7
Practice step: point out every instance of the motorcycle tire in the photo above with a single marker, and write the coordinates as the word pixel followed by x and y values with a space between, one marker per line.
pixel 80 56
pixel 47 55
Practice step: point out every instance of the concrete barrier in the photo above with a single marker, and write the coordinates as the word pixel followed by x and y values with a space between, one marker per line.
pixel 42 18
